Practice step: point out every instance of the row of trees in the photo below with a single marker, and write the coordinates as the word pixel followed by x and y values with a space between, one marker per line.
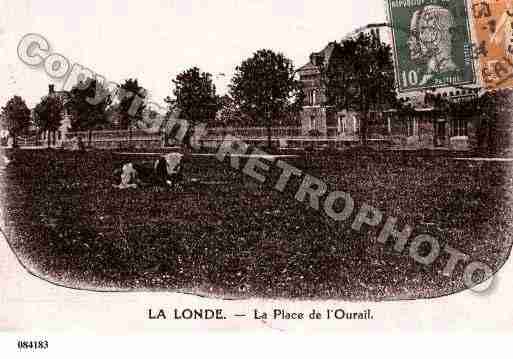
pixel 89 103
pixel 263 89
pixel 263 92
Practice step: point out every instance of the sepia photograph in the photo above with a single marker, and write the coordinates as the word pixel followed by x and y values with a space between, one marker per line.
pixel 241 164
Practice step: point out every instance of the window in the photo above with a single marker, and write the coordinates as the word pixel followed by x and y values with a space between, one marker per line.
pixel 309 98
pixel 342 125
pixel 313 123
pixel 459 128
pixel 411 127
pixel 312 98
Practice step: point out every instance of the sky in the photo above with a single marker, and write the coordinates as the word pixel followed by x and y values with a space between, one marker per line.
pixel 154 40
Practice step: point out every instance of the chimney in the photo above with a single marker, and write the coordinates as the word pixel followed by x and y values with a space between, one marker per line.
pixel 51 89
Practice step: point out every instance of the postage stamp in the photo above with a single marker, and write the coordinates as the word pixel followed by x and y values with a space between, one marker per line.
pixel 432 43
pixel 493 28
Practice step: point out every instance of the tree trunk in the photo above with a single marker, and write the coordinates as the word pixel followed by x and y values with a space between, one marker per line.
pixel 363 127
pixel 269 137
pixel 188 138
pixel 48 139
pixel 163 139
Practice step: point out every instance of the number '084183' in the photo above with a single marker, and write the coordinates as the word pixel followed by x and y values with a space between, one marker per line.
pixel 32 344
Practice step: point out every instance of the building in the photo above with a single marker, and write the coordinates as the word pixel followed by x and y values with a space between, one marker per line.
pixel 426 126
pixel 316 118
pixel 422 126
pixel 378 31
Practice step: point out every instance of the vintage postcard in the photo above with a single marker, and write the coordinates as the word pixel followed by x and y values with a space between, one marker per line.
pixel 202 165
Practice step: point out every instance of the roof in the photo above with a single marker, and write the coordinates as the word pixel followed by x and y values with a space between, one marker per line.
pixel 326 53
pixel 316 58
pixel 309 67
pixel 381 25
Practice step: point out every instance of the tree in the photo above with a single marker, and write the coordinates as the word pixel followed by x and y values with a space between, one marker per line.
pixel 264 87
pixel 229 113
pixel 360 77
pixel 131 105
pixel 195 98
pixel 88 102
pixel 15 117
pixel 151 119
pixel 48 115
pixel 495 110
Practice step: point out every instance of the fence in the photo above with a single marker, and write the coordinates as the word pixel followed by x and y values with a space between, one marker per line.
pixel 256 132
pixel 282 136
pixel 212 133
pixel 28 141
pixel 121 135
pixel 137 138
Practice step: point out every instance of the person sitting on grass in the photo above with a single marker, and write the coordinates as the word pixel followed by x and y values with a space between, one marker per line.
pixel 129 177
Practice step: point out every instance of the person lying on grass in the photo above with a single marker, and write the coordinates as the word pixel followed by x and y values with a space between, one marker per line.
pixel 166 172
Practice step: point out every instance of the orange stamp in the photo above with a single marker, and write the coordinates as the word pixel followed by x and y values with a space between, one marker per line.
pixel 493 30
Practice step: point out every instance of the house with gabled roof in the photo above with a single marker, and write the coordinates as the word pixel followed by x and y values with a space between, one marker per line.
pixel 316 117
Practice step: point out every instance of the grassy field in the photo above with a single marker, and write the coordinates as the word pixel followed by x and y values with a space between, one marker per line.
pixel 232 237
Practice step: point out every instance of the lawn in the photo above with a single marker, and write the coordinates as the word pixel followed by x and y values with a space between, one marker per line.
pixel 229 236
